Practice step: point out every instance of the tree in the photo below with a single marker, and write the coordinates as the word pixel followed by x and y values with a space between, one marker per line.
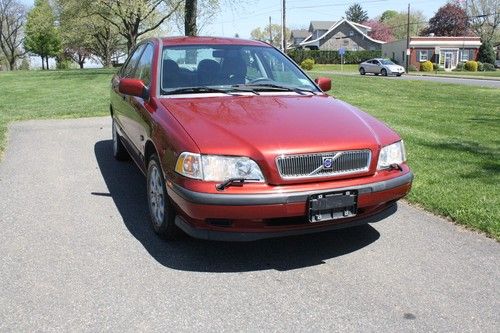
pixel 398 24
pixel 134 18
pixel 263 34
pixel 484 18
pixel 12 19
pixel 486 53
pixel 42 37
pixel 450 20
pixel 380 30
pixel 196 14
pixel 355 13
pixel 387 15
pixel 76 34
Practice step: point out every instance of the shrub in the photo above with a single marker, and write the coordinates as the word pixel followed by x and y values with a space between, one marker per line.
pixel 307 64
pixel 426 66
pixel 412 68
pixel 460 67
pixel 489 67
pixel 332 57
pixel 480 66
pixel 471 66
pixel 486 52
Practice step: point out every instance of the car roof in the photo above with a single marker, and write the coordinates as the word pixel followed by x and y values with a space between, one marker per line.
pixel 188 40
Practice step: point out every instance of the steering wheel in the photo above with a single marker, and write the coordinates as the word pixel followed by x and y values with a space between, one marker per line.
pixel 260 79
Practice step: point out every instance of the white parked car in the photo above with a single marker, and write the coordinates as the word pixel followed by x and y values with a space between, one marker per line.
pixel 380 66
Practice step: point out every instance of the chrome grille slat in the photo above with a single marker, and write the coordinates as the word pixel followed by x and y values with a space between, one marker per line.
pixel 301 166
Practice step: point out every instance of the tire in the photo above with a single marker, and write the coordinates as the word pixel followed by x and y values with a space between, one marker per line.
pixel 398 75
pixel 119 151
pixel 362 71
pixel 383 72
pixel 161 210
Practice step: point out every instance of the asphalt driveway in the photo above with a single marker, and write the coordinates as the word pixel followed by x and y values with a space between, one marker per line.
pixel 77 254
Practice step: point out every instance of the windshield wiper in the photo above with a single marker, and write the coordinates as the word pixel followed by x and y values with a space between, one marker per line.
pixel 233 182
pixel 201 89
pixel 300 91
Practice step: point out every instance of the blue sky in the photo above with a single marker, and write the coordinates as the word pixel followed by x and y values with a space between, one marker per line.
pixel 244 18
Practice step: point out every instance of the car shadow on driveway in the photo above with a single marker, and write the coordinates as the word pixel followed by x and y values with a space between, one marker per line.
pixel 127 187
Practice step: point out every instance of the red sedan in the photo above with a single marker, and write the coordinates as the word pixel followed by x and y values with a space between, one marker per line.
pixel 238 143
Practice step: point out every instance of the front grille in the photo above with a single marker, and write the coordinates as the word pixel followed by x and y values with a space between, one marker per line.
pixel 323 164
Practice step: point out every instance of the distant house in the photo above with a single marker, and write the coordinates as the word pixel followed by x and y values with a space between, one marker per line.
pixel 297 37
pixel 446 51
pixel 329 35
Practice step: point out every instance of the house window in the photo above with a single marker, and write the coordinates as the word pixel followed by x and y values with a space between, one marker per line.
pixel 423 55
pixel 464 55
pixel 351 33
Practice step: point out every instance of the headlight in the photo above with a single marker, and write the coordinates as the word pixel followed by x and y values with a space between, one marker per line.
pixel 217 168
pixel 391 154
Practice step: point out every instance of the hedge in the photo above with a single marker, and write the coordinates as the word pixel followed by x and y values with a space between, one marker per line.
pixel 332 57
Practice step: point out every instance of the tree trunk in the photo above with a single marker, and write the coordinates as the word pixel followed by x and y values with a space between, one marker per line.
pixel 43 63
pixel 47 62
pixel 12 63
pixel 190 10
pixel 81 63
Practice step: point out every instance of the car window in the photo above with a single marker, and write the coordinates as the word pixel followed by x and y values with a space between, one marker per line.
pixel 143 71
pixel 226 66
pixel 129 68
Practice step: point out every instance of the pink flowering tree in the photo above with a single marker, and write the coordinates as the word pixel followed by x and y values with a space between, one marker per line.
pixel 380 30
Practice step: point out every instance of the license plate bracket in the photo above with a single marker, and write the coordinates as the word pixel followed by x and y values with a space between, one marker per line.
pixel 332 206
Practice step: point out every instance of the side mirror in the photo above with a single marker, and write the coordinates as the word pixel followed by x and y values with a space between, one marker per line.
pixel 133 87
pixel 324 83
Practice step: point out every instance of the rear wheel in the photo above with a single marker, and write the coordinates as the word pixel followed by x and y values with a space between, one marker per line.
pixel 161 210
pixel 119 151
pixel 383 72
pixel 362 71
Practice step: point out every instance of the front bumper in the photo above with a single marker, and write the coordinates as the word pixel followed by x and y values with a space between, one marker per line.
pixel 250 216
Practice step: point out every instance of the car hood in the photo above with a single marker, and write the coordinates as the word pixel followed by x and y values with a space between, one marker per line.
pixel 263 127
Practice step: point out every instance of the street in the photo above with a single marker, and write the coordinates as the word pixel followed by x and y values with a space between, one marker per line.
pixel 77 254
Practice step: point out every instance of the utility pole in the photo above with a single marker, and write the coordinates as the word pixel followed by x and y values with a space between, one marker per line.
pixel 283 27
pixel 270 32
pixel 408 41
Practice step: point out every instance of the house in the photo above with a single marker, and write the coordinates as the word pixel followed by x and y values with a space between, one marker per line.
pixel 297 37
pixel 329 35
pixel 445 51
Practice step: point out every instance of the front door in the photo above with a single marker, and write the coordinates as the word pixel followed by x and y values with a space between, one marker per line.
pixel 448 60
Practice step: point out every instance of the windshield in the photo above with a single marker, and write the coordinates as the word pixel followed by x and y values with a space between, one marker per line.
pixel 386 62
pixel 228 68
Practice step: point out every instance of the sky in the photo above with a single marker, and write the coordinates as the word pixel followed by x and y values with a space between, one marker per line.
pixel 247 15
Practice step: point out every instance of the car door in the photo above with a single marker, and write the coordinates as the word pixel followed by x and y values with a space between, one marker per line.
pixel 139 119
pixel 371 66
pixel 377 66
pixel 122 110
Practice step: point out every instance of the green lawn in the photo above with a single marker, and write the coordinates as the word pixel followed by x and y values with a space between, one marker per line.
pixel 354 69
pixel 452 132
pixel 336 68
pixel 495 74
pixel 62 94
pixel 452 135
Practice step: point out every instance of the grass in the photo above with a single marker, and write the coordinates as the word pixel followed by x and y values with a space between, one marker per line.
pixel 452 135
pixel 336 68
pixel 43 94
pixel 354 69
pixel 492 74
pixel 451 131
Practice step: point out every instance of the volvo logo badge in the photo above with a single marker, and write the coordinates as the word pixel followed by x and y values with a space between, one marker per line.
pixel 327 162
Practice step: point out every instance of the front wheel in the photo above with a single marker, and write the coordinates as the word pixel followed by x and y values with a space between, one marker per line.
pixel 161 210
pixel 362 71
pixel 383 72
pixel 399 75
